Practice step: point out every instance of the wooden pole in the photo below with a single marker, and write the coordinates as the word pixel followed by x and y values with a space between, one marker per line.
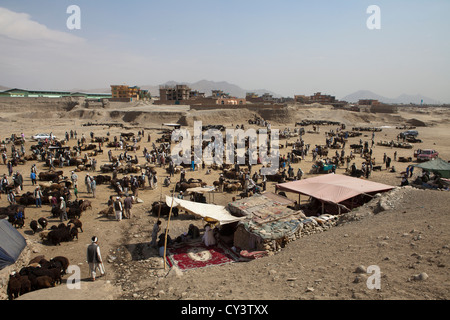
pixel 160 205
pixel 167 229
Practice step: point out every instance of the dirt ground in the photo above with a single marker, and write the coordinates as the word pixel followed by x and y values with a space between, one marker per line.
pixel 409 238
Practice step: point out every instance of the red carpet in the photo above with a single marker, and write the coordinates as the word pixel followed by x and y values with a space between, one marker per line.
pixel 197 255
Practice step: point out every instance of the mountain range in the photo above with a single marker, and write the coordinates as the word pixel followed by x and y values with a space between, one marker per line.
pixel 207 86
pixel 402 99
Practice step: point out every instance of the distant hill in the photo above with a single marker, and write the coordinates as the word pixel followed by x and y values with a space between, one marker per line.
pixel 2 88
pixel 402 99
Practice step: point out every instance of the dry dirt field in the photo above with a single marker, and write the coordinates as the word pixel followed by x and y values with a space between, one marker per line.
pixel 411 237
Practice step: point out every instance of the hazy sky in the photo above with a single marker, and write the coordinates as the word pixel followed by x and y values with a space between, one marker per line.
pixel 289 47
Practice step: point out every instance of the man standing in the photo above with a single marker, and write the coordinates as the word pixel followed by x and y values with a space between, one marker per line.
pixel 38 197
pixel 128 204
pixel 94 259
pixel 33 178
pixel 118 209
pixel 74 178
pixel 388 163
pixel 299 174
pixel 19 180
pixel 156 229
pixel 93 187
pixel 87 181
pixel 62 207
pixel 221 182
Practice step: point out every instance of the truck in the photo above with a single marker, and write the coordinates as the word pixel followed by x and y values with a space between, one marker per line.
pixel 426 154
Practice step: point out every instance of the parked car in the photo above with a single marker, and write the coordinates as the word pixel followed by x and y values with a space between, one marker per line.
pixel 426 154
pixel 43 136
pixel 409 133
pixel 413 139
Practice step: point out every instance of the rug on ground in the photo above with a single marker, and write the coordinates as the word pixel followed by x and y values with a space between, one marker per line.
pixel 193 255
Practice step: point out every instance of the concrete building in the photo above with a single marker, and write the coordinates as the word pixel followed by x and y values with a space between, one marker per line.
pixel 216 94
pixel 301 99
pixel 195 94
pixel 368 102
pixel 231 101
pixel 255 98
pixel 318 97
pixel 178 92
pixel 126 93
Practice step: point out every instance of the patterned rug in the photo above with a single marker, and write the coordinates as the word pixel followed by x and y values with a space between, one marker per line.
pixel 197 255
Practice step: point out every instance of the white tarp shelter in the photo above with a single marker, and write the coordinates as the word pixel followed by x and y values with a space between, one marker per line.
pixel 209 212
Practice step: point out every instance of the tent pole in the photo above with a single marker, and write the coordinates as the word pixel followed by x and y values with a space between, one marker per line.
pixel 160 195
pixel 323 207
pixel 167 229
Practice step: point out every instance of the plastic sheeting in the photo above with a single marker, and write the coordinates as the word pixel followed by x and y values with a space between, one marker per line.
pixel 11 244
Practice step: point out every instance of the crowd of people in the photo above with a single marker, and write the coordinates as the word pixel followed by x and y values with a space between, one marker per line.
pixel 55 153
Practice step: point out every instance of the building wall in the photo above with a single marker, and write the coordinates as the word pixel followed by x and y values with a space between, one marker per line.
pixel 232 101
pixel 368 102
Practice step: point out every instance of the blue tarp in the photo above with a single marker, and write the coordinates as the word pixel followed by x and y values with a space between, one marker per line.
pixel 11 244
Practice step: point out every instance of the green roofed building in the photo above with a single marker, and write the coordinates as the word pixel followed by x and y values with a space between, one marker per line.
pixel 22 93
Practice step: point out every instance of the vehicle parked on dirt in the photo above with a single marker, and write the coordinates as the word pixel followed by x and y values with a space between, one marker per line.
pixel 409 133
pixel 413 139
pixel 426 154
pixel 43 136
pixel 322 167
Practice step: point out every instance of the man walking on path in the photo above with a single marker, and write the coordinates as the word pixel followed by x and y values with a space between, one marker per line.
pixel 94 259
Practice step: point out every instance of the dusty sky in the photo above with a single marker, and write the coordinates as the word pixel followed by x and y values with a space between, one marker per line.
pixel 289 47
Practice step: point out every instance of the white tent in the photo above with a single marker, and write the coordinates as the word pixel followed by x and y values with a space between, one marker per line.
pixel 209 212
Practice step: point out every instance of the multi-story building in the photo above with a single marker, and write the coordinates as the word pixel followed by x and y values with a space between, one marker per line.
pixel 195 94
pixel 174 93
pixel 368 102
pixel 301 99
pixel 255 98
pixel 124 92
pixel 217 94
pixel 318 97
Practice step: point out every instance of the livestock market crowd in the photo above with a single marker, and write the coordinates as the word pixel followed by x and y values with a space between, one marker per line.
pixel 132 168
